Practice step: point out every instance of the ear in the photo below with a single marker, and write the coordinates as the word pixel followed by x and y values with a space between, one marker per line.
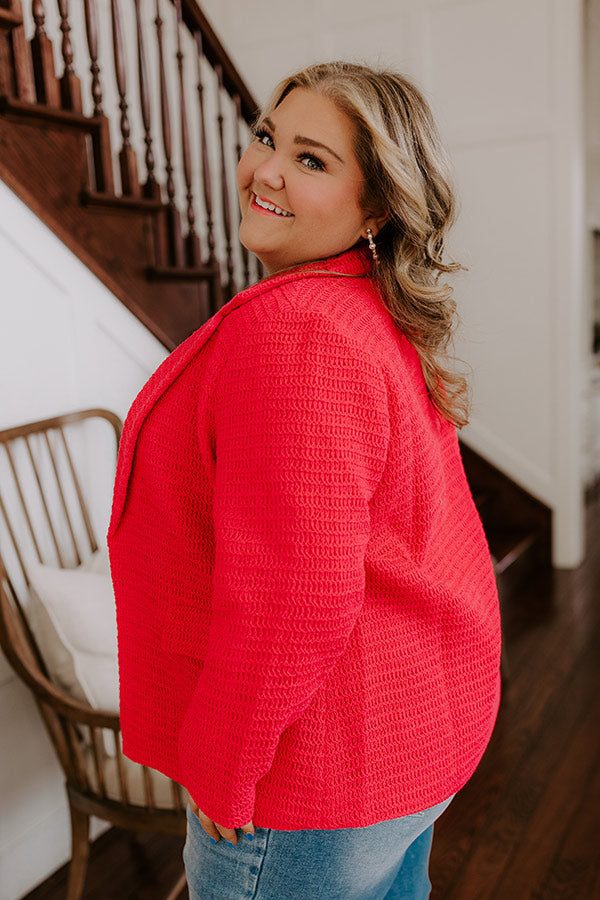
pixel 375 223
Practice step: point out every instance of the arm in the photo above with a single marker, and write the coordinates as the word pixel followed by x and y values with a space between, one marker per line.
pixel 302 428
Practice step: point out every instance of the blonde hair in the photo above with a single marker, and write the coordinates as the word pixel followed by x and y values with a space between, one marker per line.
pixel 407 176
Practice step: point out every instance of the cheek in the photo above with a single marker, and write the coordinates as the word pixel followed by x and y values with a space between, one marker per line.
pixel 245 171
pixel 317 200
pixel 342 206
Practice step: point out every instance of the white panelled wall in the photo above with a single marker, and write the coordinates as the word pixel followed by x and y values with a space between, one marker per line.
pixel 504 78
pixel 592 133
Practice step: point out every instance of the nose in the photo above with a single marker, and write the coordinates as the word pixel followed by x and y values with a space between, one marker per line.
pixel 269 173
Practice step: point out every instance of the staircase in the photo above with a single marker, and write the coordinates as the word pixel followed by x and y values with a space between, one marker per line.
pixel 164 242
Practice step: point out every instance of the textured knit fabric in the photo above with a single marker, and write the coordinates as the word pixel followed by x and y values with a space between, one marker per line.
pixel 307 613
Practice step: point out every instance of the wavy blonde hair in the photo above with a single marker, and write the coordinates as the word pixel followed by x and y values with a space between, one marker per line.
pixel 407 176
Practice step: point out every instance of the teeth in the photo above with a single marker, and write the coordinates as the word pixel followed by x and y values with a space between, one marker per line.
pixel 266 205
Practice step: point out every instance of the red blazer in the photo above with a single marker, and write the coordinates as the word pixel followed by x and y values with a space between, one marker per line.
pixel 307 614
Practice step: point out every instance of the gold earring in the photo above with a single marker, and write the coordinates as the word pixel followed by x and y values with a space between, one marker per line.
pixel 372 246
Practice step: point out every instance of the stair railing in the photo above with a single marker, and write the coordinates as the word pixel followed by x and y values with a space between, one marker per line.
pixel 169 116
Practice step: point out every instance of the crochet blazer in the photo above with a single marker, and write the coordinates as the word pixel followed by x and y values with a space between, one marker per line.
pixel 307 613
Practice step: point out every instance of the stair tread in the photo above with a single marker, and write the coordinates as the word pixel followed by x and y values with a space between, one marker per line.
pixel 202 271
pixel 116 201
pixel 37 111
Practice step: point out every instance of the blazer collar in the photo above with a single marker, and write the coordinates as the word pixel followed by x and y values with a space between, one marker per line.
pixel 355 261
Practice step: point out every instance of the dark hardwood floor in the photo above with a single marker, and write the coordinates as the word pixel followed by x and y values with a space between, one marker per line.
pixel 526 826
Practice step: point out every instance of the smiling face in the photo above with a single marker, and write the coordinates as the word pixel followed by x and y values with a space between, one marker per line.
pixel 299 184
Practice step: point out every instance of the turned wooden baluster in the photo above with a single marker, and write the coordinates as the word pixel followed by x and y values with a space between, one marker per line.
pixel 47 87
pixel 70 86
pixel 175 249
pixel 91 30
pixel 206 179
pixel 103 167
pixel 151 187
pixel 127 159
pixel 230 287
pixel 192 242
pixel 240 125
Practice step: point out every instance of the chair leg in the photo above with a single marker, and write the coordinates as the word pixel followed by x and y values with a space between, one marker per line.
pixel 80 848
pixel 178 888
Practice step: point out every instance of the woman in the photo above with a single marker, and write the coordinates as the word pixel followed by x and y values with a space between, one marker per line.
pixel 308 623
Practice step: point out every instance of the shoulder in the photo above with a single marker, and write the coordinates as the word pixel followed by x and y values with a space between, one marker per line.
pixel 286 342
pixel 313 306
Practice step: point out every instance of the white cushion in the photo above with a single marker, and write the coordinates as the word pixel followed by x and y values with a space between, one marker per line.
pixel 98 562
pixel 73 618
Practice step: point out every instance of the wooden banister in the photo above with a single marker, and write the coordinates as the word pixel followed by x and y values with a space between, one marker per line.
pixel 127 158
pixel 206 180
pixel 70 86
pixel 192 241
pixel 151 187
pixel 91 29
pixel 46 83
pixel 179 226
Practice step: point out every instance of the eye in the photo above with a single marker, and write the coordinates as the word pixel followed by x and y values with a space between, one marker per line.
pixel 312 162
pixel 264 137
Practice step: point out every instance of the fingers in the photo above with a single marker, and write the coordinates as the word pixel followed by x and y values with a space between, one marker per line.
pixel 230 834
pixel 249 830
pixel 216 832
pixel 208 825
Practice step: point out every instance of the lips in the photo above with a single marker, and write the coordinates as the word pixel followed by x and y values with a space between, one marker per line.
pixel 268 207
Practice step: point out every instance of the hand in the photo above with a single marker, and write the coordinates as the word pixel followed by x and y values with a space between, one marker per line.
pixel 216 832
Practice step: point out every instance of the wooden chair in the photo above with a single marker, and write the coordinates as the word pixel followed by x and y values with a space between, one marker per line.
pixel 96 783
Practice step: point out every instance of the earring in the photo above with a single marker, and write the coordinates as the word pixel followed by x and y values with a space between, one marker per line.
pixel 372 246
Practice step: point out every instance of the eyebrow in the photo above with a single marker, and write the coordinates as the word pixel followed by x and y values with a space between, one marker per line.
pixel 307 142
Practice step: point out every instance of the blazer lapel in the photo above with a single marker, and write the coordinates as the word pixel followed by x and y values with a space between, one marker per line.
pixel 165 375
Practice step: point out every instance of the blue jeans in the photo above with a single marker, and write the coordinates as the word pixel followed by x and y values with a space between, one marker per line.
pixel 385 861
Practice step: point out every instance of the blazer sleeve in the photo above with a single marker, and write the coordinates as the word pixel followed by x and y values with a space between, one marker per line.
pixel 301 434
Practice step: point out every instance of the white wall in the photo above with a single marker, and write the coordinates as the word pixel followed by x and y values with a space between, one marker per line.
pixel 592 96
pixel 592 120
pixel 505 80
pixel 516 135
pixel 67 344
